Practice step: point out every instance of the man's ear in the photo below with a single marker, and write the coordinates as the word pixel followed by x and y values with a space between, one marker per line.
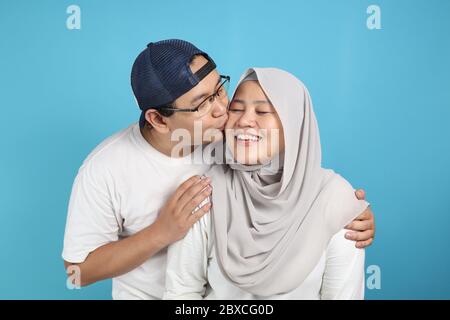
pixel 158 122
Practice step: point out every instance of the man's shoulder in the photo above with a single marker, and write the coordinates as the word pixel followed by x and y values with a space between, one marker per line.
pixel 109 152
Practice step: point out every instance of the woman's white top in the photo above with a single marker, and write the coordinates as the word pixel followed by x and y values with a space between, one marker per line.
pixel 193 272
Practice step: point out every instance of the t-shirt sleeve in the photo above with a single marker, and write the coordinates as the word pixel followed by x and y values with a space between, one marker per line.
pixel 91 219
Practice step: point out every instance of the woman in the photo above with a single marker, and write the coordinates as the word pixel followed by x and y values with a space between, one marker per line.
pixel 277 217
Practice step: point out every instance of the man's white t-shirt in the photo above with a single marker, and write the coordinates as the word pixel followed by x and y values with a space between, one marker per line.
pixel 119 191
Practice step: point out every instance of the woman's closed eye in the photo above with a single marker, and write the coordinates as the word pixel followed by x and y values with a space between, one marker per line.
pixel 236 107
pixel 262 112
pixel 258 112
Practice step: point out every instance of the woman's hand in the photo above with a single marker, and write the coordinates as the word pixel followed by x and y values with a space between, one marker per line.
pixel 363 225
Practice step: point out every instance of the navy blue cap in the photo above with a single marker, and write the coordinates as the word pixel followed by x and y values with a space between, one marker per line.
pixel 161 73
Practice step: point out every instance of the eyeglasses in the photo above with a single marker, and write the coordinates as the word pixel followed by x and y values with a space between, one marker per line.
pixel 206 105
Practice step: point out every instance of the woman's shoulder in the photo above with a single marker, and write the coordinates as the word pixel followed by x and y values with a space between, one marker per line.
pixel 339 185
pixel 342 206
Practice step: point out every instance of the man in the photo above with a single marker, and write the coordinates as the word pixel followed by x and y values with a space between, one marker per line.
pixel 127 204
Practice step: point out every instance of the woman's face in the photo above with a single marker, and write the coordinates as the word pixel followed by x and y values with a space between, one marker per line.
pixel 254 131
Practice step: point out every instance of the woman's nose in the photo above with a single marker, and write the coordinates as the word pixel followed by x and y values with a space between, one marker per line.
pixel 247 120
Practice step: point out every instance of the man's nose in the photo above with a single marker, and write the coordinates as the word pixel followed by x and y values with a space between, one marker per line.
pixel 219 108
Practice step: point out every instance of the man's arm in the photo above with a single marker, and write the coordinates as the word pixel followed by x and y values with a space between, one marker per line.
pixel 175 219
pixel 363 225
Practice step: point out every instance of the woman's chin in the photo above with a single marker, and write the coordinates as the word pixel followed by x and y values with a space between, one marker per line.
pixel 247 160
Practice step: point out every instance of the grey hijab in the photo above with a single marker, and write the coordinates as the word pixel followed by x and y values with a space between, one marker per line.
pixel 272 226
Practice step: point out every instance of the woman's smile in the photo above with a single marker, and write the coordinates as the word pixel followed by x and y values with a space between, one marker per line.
pixel 247 138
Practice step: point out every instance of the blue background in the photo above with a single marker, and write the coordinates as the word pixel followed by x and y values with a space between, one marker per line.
pixel 382 98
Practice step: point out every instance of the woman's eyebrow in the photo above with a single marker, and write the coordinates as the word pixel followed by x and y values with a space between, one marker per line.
pixel 260 101
pixel 204 95
pixel 239 101
pixel 252 102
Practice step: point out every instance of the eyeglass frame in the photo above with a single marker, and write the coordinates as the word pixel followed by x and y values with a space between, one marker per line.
pixel 215 95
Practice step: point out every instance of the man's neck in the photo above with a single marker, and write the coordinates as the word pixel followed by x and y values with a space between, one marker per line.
pixel 163 143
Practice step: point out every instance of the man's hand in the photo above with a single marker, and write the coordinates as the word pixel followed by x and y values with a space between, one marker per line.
pixel 364 225
pixel 176 217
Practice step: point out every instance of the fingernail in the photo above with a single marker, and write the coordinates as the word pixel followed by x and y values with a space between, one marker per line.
pixel 348 235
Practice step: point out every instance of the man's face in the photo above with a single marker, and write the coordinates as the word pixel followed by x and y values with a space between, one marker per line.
pixel 212 122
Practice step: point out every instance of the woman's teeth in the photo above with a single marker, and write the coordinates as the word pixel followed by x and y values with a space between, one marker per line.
pixel 247 137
